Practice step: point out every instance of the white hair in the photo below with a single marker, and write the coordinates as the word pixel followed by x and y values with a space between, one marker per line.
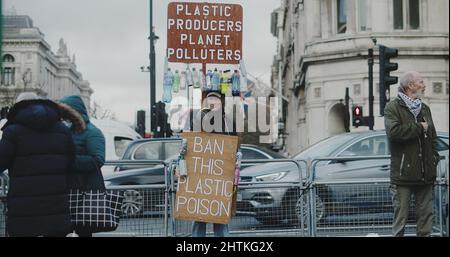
pixel 27 96
pixel 408 78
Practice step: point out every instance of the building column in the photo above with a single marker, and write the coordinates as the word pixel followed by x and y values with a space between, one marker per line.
pixel 317 28
pixel 424 19
pixel 351 17
pixel 325 14
pixel 369 16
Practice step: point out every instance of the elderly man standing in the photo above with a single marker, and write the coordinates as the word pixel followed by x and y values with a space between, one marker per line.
pixel 413 141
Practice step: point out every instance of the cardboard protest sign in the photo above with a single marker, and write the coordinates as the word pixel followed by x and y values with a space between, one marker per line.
pixel 204 32
pixel 206 193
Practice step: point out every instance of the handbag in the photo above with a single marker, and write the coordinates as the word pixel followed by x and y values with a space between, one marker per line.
pixel 95 210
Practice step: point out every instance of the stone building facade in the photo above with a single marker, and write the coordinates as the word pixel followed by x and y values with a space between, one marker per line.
pixel 323 48
pixel 28 64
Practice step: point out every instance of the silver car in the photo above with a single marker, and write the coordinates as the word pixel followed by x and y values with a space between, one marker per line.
pixel 274 205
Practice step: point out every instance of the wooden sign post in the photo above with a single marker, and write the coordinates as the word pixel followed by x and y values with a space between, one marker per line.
pixel 206 193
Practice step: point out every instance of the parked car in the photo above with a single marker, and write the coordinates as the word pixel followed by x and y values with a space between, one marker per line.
pixel 117 137
pixel 168 148
pixel 334 203
pixel 149 149
pixel 160 149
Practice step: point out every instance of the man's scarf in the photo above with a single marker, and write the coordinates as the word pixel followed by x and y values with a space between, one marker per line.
pixel 414 105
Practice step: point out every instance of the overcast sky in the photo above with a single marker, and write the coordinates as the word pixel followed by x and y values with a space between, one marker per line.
pixel 109 39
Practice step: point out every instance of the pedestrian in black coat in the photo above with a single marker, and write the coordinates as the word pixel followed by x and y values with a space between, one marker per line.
pixel 38 151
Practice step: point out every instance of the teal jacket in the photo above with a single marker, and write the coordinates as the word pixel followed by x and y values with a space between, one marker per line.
pixel 90 147
pixel 414 156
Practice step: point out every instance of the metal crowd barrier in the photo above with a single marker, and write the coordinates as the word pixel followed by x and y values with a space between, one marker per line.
pixel 363 207
pixel 145 210
pixel 281 220
pixel 351 207
pixel 444 164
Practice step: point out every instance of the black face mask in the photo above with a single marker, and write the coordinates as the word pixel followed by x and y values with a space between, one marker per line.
pixel 211 117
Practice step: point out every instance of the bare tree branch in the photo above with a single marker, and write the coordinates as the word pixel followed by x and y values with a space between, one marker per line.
pixel 98 112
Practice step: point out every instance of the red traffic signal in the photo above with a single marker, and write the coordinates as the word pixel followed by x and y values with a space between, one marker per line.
pixel 357 111
pixel 357 116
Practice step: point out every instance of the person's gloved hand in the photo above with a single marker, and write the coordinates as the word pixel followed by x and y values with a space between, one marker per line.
pixel 183 147
pixel 181 163
pixel 237 169
pixel 181 168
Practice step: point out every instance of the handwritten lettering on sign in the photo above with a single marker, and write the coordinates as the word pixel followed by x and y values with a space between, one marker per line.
pixel 206 193
pixel 204 33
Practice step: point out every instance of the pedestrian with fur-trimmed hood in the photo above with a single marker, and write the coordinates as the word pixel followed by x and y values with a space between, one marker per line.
pixel 38 151
pixel 90 149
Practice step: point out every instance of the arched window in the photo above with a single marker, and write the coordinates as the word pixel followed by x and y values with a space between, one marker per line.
pixel 7 71
pixel 8 58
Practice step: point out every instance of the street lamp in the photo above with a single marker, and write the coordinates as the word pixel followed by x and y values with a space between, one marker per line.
pixel 155 39
pixel 152 70
pixel 145 69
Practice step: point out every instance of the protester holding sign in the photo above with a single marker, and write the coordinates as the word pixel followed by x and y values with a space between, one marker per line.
pixel 216 192
pixel 207 33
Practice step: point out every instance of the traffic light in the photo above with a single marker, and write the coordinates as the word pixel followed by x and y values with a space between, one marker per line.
pixel 140 124
pixel 160 110
pixel 162 127
pixel 357 118
pixel 386 80
pixel 346 110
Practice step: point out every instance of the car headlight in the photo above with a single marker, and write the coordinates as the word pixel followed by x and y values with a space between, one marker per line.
pixel 107 183
pixel 271 177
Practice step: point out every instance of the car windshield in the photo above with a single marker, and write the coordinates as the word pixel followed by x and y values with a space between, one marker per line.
pixel 172 148
pixel 325 147
pixel 120 144
pixel 274 155
pixel 442 144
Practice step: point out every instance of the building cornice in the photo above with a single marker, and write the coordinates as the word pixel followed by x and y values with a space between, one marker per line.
pixel 379 36
pixel 347 47
pixel 19 41
pixel 351 46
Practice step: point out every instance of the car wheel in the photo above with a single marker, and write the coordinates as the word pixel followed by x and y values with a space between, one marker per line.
pixel 269 220
pixel 133 203
pixel 303 203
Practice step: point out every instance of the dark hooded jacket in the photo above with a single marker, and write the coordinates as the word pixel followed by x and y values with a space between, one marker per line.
pixel 90 145
pixel 226 127
pixel 414 157
pixel 38 151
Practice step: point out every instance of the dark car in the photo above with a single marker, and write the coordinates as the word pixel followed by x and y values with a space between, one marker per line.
pixel 160 149
pixel 334 203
